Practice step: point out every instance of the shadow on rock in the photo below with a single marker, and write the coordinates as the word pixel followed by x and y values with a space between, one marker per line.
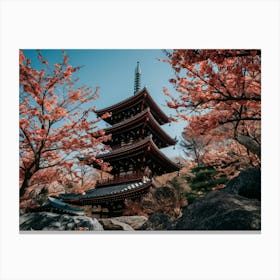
pixel 247 184
pixel 221 211
pixel 159 221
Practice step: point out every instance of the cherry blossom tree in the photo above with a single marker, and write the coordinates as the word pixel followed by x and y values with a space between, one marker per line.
pixel 57 123
pixel 195 146
pixel 219 95
pixel 217 150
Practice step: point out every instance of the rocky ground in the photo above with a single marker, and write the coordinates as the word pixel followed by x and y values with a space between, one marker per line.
pixel 236 207
pixel 56 222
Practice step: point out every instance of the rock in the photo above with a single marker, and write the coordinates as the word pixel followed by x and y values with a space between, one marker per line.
pixel 113 224
pixel 158 221
pixel 53 221
pixel 123 223
pixel 220 210
pixel 135 222
pixel 247 184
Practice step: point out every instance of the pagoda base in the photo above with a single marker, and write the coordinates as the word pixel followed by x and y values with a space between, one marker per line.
pixel 108 201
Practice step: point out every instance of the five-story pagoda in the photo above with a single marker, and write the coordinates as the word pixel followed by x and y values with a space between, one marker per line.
pixel 135 155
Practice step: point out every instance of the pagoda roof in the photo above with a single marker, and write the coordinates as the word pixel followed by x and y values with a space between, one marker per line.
pixel 159 115
pixel 61 207
pixel 138 119
pixel 110 193
pixel 137 148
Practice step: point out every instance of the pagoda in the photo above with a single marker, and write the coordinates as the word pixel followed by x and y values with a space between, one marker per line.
pixel 135 156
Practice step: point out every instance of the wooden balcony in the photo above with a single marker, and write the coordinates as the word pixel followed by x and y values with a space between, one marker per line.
pixel 131 143
pixel 120 179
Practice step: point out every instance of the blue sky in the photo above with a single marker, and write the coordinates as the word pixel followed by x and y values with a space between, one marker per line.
pixel 113 72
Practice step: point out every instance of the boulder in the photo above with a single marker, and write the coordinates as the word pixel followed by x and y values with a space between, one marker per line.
pixel 247 184
pixel 158 221
pixel 220 210
pixel 57 222
pixel 135 222
pixel 114 224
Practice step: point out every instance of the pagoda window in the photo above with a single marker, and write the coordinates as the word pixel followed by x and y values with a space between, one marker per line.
pixel 130 140
pixel 125 165
pixel 127 137
pixel 130 168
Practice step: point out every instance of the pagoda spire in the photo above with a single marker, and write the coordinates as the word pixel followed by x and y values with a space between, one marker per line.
pixel 137 79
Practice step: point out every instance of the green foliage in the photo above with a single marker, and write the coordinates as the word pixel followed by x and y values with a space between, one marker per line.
pixel 206 178
pixel 191 185
pixel 192 195
pixel 203 176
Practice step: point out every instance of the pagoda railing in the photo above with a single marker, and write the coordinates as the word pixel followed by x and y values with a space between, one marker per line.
pixel 120 179
pixel 125 145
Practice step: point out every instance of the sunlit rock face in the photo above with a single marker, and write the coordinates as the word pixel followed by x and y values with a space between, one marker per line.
pixel 123 223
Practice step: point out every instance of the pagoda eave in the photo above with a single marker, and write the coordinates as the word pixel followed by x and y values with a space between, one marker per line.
pixel 144 146
pixel 109 194
pixel 143 94
pixel 146 119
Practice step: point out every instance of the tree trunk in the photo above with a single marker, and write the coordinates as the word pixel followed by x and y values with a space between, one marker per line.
pixel 24 184
pixel 28 173
pixel 252 145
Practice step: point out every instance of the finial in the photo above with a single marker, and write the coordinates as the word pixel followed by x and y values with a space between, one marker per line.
pixel 137 79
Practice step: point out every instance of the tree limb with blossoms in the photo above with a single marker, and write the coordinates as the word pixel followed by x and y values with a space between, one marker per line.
pixel 57 123
pixel 218 92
